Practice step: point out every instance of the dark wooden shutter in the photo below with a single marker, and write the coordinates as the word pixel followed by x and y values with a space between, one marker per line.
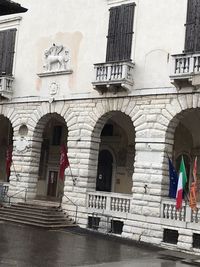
pixel 111 43
pixel 197 28
pixel 120 33
pixel 7 49
pixel 192 35
pixel 2 37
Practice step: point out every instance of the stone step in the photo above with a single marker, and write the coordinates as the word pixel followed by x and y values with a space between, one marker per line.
pixel 47 216
pixel 53 226
pixel 43 203
pixel 34 220
pixel 35 207
pixel 25 215
pixel 33 211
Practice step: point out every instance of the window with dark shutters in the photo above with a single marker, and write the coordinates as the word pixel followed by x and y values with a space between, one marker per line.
pixel 120 33
pixel 192 35
pixel 7 50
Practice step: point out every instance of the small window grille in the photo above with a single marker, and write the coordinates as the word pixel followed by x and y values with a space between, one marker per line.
pixel 117 226
pixel 170 236
pixel 93 222
pixel 196 240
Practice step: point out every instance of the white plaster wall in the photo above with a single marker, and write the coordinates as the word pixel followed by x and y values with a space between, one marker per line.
pixel 82 26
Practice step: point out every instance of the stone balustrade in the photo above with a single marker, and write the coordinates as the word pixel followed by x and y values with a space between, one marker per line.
pixel 169 211
pixel 6 88
pixel 195 217
pixel 185 69
pixel 109 202
pixel 115 75
pixel 186 214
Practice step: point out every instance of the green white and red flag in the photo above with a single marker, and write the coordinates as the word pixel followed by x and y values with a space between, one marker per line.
pixel 182 180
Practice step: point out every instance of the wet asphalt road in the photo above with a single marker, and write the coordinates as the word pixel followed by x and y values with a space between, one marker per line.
pixel 23 246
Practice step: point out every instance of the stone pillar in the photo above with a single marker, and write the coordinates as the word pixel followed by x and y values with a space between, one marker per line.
pixel 83 155
pixel 147 179
pixel 24 170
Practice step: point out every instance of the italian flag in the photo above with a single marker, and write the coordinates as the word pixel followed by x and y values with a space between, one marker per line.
pixel 182 180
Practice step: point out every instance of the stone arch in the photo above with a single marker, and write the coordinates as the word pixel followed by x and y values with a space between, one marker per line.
pixel 175 112
pixel 96 139
pixel 36 147
pixel 105 108
pixel 6 147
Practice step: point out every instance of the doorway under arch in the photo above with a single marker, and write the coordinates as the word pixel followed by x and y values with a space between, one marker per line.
pixel 53 135
pixel 116 153
pixel 104 171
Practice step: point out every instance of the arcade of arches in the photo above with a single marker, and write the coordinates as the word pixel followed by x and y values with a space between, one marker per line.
pixel 116 150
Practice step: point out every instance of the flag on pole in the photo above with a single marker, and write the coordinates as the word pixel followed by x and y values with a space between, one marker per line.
pixel 64 162
pixel 182 180
pixel 195 169
pixel 8 160
pixel 193 188
pixel 173 176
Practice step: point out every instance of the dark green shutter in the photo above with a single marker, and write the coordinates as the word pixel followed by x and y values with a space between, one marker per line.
pixel 120 33
pixel 7 50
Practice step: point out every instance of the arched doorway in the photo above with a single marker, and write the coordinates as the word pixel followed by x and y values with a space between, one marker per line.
pixel 104 171
pixel 6 142
pixel 116 153
pixel 54 135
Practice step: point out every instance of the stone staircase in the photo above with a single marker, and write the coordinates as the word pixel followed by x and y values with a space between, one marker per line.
pixel 36 213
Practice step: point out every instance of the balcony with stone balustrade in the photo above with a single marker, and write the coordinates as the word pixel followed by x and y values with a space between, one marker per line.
pixel 113 77
pixel 6 87
pixel 185 70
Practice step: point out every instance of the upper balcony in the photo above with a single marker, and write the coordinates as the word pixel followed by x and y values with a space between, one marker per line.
pixel 113 76
pixel 6 88
pixel 185 70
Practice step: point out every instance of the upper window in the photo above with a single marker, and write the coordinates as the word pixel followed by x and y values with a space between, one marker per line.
pixel 7 49
pixel 192 37
pixel 120 33
pixel 57 134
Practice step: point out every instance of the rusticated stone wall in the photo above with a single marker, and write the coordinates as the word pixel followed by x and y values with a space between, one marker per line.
pixel 154 119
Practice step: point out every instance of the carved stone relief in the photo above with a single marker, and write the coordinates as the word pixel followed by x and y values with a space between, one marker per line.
pixel 22 144
pixel 53 88
pixel 56 58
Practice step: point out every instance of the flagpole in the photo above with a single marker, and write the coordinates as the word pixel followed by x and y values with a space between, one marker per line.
pixel 73 179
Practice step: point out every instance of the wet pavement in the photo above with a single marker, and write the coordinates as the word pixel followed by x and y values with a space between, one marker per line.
pixel 23 246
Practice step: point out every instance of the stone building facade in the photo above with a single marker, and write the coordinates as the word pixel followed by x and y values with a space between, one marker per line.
pixel 119 119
